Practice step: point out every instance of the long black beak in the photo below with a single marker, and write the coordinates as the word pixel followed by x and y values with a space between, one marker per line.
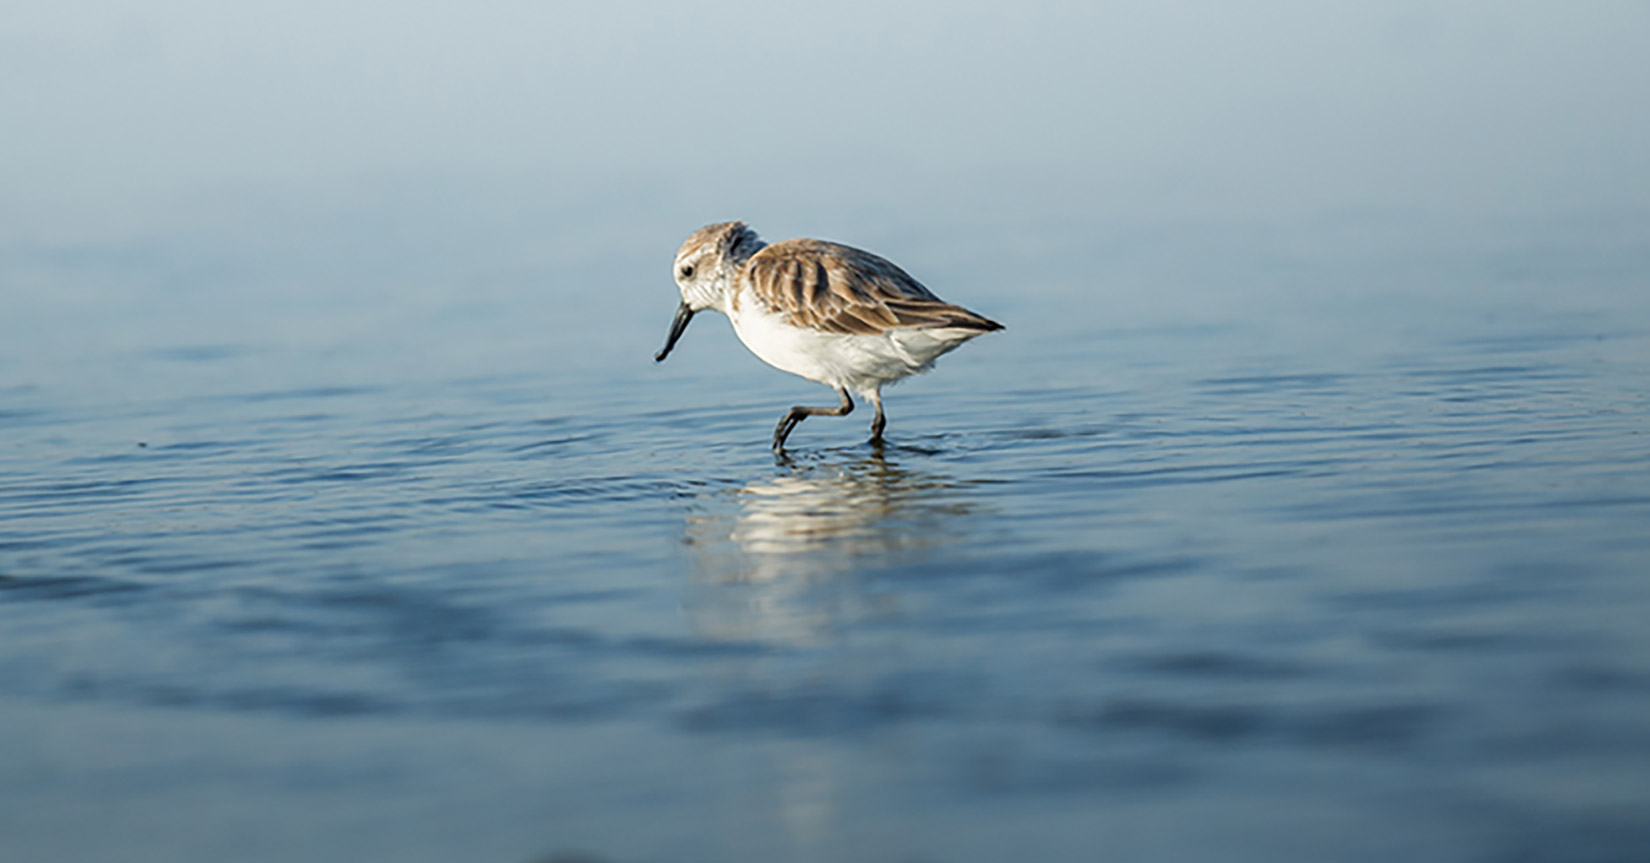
pixel 677 326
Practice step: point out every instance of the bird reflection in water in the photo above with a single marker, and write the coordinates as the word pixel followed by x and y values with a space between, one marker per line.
pixel 787 563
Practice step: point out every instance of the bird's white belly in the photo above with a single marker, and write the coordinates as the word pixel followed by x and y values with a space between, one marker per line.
pixel 862 363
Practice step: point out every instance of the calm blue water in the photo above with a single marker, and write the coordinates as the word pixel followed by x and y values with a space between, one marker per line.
pixel 1220 550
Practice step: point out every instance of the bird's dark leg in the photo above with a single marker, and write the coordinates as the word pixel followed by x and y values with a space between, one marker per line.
pixel 801 412
pixel 878 422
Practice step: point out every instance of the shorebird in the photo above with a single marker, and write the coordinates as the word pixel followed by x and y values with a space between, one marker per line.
pixel 831 313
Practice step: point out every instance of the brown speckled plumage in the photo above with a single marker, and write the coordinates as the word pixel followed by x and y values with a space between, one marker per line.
pixel 839 289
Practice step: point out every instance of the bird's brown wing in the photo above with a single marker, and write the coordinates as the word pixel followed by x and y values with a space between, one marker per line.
pixel 839 289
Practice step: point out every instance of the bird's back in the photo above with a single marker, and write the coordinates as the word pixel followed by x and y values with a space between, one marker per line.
pixel 832 288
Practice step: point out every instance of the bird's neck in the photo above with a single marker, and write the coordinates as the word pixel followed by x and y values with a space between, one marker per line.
pixel 737 257
pixel 743 250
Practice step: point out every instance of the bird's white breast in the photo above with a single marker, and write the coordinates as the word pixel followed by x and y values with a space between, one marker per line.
pixel 861 363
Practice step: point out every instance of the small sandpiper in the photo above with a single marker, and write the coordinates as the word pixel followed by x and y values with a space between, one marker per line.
pixel 831 313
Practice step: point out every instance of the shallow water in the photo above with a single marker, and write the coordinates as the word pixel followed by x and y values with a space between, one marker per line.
pixel 1222 550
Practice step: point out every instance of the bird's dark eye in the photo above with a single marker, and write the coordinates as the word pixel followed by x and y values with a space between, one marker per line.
pixel 687 271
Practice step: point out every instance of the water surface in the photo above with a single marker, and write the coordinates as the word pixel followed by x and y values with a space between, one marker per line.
pixel 1351 570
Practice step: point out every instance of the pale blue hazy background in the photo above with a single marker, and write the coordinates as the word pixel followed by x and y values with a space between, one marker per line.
pixel 421 155
pixel 121 117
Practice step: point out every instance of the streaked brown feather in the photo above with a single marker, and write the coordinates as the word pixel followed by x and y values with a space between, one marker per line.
pixel 839 289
